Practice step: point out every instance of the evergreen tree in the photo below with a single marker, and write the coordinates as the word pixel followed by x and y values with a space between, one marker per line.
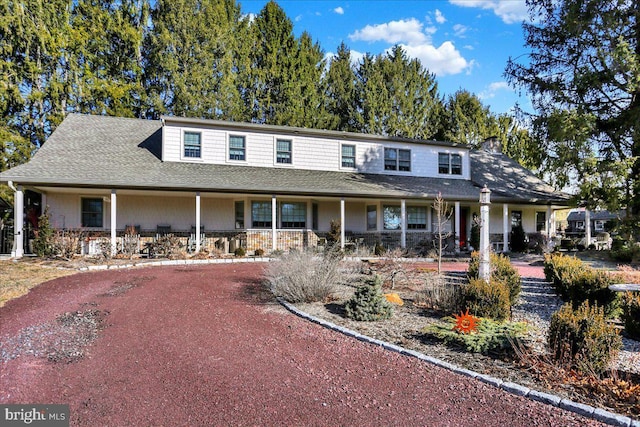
pixel 466 120
pixel 583 74
pixel 189 58
pixel 398 97
pixel 339 86
pixel 105 58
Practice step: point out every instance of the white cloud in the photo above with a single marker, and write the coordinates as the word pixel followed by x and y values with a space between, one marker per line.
pixel 339 10
pixel 409 31
pixel 298 18
pixel 440 19
pixel 468 47
pixel 416 42
pixel 442 60
pixel 490 91
pixel 460 30
pixel 510 12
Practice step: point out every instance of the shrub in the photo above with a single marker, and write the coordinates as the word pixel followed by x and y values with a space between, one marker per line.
pixel 240 251
pixel 491 336
pixel 258 252
pixel 43 243
pixel 537 243
pixel 576 282
pixel 302 276
pixel 379 250
pixel 501 270
pixel 624 253
pixel 583 339
pixel 368 302
pixel 487 299
pixel 519 240
pixel 474 241
pixel 334 234
pixel 631 314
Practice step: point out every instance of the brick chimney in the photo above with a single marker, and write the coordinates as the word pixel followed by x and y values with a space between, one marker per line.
pixel 492 145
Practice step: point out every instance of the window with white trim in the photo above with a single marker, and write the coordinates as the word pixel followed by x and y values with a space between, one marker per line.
pixel 192 145
pixel 416 217
pixel 598 225
pixel 348 156
pixel 293 215
pixel 396 159
pixel 237 148
pixel 450 164
pixel 92 212
pixel 284 151
pixel 261 214
pixel 391 217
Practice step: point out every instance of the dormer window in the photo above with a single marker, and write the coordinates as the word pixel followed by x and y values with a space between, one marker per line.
pixel 192 145
pixel 450 164
pixel 396 159
pixel 237 148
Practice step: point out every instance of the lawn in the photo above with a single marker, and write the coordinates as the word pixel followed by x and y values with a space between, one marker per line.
pixel 17 278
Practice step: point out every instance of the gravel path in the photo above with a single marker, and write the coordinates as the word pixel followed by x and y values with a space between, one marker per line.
pixel 207 345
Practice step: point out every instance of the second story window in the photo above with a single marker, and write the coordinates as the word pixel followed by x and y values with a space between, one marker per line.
pixel 192 144
pixel 284 152
pixel 237 148
pixel 396 159
pixel 348 156
pixel 450 164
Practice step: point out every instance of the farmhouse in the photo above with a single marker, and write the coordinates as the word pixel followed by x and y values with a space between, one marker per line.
pixel 229 184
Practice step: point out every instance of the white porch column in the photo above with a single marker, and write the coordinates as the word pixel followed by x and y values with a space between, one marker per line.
pixel 549 222
pixel 198 222
pixel 274 224
pixel 429 219
pixel 484 269
pixel 114 211
pixel 456 235
pixel 403 223
pixel 342 224
pixel 505 227
pixel 18 221
pixel 587 226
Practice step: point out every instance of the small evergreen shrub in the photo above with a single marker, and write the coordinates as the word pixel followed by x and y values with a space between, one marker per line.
pixel 474 241
pixel 519 240
pixel 379 250
pixel 537 243
pixel 624 253
pixel 240 252
pixel 491 336
pixel 258 252
pixel 43 245
pixel 334 234
pixel 583 339
pixel 501 270
pixel 489 300
pixel 631 314
pixel 368 302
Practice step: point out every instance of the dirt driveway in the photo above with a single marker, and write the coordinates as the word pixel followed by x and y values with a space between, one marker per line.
pixel 205 345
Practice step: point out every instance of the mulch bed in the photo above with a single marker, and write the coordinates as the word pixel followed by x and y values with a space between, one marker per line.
pixel 207 345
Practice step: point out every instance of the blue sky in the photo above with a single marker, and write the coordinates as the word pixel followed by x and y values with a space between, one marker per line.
pixel 466 43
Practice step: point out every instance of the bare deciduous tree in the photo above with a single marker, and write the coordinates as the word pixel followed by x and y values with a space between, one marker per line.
pixel 443 215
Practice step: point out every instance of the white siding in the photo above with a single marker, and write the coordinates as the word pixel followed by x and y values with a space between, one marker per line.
pixel 309 152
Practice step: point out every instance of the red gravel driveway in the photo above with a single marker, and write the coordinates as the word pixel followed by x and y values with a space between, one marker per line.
pixel 206 345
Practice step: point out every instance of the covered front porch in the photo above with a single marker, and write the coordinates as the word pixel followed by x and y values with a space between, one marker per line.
pixel 260 222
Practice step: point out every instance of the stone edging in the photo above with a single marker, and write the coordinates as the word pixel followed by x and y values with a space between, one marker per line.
pixel 165 262
pixel 513 388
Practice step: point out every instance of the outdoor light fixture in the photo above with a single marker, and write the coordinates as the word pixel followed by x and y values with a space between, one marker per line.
pixel 485 196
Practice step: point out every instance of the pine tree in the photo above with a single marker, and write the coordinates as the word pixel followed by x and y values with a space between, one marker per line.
pixel 339 86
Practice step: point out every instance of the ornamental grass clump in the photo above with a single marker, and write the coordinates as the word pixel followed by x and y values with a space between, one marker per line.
pixel 303 276
pixel 582 338
pixel 501 270
pixel 368 303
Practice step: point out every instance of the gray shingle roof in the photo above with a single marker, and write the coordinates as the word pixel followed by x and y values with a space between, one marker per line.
pixel 113 152
pixel 593 215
